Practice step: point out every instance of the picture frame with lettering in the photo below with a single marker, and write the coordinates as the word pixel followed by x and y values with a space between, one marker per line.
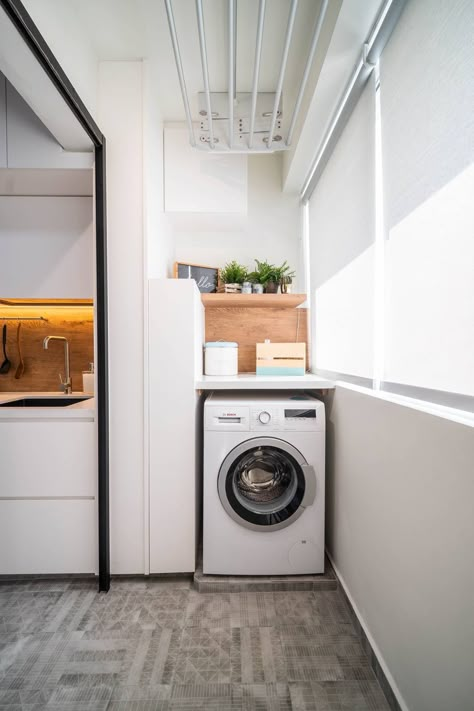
pixel 206 278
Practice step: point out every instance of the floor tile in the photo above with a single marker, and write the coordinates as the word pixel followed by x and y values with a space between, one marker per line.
pixel 158 645
pixel 257 656
pixel 134 610
pixel 309 608
pixel 204 656
pixel 337 696
pixel 203 697
pixel 263 697
pixel 148 692
pixel 312 655
pixel 208 610
pixel 252 609
pixel 152 659
pixel 158 705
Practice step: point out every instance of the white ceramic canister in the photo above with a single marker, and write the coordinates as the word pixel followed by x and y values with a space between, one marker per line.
pixel 221 358
pixel 88 380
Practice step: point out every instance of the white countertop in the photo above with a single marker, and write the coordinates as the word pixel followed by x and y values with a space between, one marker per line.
pixel 251 381
pixel 80 411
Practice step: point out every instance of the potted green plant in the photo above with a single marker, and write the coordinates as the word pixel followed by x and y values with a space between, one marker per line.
pixel 276 277
pixel 286 277
pixel 261 276
pixel 233 275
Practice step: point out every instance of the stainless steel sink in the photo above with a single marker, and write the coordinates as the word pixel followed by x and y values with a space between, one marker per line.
pixel 44 401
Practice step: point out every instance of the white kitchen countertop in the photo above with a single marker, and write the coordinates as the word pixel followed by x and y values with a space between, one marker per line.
pixel 80 411
pixel 251 381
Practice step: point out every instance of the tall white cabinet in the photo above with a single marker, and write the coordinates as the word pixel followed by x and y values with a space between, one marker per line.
pixel 176 332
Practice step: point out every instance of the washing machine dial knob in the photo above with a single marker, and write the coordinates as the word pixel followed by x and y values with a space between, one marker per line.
pixel 264 417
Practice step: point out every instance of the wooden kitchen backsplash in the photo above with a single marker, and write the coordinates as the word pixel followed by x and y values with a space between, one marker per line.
pixel 42 367
pixel 249 326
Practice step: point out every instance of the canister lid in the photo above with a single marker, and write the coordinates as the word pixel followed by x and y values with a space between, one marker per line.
pixel 221 344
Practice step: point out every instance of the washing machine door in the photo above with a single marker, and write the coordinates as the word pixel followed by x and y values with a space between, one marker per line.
pixel 265 484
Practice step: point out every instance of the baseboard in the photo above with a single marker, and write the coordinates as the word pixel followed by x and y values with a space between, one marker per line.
pixel 378 664
pixel 31 577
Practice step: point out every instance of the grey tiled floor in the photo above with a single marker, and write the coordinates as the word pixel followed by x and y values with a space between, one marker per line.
pixel 161 646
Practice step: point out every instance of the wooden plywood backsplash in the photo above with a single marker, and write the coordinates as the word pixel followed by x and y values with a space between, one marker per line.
pixel 249 326
pixel 42 367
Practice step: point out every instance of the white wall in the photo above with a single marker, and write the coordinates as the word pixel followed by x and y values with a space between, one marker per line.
pixel 47 247
pixel 202 181
pixel 400 530
pixel 270 229
pixel 158 237
pixel 121 120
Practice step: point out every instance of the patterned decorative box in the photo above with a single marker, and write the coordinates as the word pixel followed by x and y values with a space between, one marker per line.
pixel 281 358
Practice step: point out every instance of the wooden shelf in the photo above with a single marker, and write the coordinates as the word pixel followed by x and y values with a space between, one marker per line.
pixel 251 381
pixel 274 301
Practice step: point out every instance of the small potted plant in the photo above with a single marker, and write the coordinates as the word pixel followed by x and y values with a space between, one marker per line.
pixel 286 278
pixel 271 287
pixel 277 276
pixel 261 276
pixel 233 275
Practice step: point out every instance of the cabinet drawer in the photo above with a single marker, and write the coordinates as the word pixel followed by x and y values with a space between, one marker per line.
pixel 48 537
pixel 48 459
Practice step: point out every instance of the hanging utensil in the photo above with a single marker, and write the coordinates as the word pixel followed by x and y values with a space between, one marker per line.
pixel 5 367
pixel 21 366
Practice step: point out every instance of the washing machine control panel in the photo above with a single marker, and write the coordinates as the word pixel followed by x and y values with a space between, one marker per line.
pixel 268 416
pixel 276 419
pixel 265 418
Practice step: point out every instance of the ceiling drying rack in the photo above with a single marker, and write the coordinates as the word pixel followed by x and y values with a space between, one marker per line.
pixel 244 114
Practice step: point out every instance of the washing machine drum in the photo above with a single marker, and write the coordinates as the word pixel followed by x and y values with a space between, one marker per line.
pixel 265 484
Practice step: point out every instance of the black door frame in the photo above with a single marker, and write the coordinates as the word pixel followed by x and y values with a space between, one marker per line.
pixel 36 43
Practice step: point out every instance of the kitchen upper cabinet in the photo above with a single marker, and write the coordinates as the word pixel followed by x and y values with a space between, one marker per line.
pixel 201 182
pixel 30 144
pixel 25 142
pixel 47 247
pixel 3 123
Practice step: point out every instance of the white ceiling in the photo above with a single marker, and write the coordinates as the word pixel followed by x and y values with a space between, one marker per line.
pixel 138 29
pixel 131 29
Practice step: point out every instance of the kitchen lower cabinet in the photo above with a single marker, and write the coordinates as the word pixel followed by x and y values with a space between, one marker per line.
pixel 48 536
pixel 48 458
pixel 48 494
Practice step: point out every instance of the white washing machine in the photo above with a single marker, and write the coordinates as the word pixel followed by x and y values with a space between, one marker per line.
pixel 264 476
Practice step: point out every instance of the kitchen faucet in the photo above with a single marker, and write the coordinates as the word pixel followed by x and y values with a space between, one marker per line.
pixel 67 382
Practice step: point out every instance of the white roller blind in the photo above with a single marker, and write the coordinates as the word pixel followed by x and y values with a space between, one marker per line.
pixel 427 119
pixel 341 237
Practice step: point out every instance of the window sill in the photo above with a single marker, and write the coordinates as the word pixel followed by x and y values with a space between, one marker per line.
pixel 448 413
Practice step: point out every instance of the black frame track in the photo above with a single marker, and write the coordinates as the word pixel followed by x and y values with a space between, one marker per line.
pixel 40 49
